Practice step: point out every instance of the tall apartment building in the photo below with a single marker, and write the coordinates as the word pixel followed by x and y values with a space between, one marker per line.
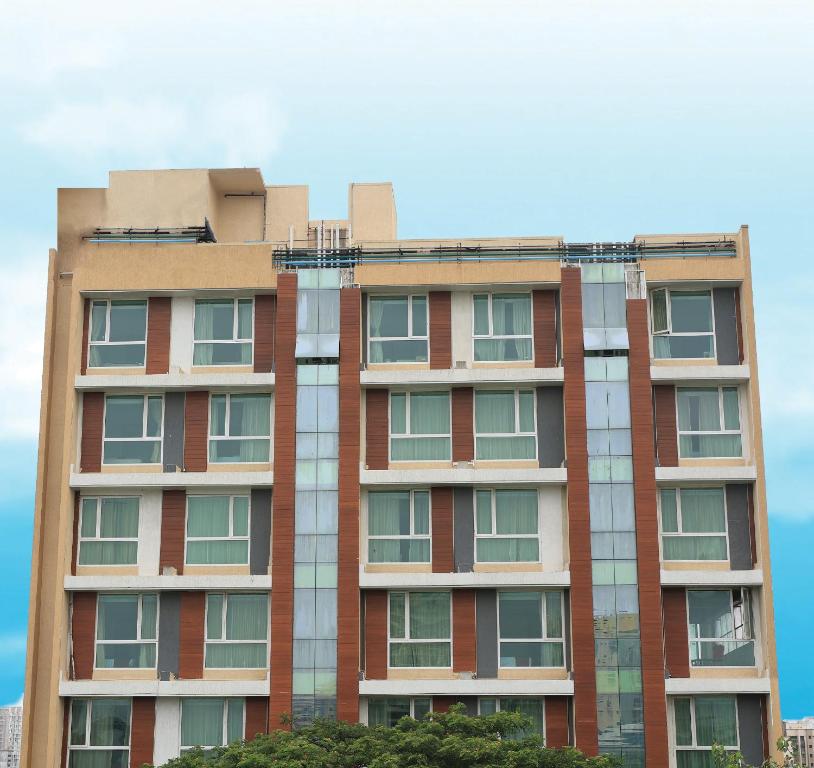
pixel 303 467
pixel 11 727
pixel 801 735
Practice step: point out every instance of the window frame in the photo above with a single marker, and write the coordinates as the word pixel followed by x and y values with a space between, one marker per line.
pixel 235 323
pixel 721 431
pixel 749 624
pixel 87 747
pixel 106 342
pixel 223 640
pixel 517 433
pixel 227 424
pixel 668 332
pixel 97 538
pixel 679 523
pixel 230 537
pixel 695 747
pixel 543 619
pixel 401 537
pixel 224 722
pixel 498 708
pixel 491 335
pixel 423 640
pixel 410 337
pixel 407 435
pixel 144 437
pixel 411 699
pixel 492 536
pixel 137 640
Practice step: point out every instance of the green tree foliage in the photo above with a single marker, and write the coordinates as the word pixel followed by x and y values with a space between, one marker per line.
pixel 788 759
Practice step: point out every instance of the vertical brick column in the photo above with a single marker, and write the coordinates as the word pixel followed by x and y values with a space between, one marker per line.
pixel 664 404
pixel 191 635
pixel 463 424
pixel 256 716
pixel 377 428
pixel 142 731
pixel 440 330
pixel 545 328
pixel 196 431
pixel 83 634
pixel 93 410
pixel 464 649
pixel 443 556
pixel 676 633
pixel 265 306
pixel 173 535
pixel 376 634
pixel 556 722
pixel 159 317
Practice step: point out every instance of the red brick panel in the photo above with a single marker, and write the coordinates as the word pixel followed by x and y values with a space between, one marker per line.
pixel 191 656
pixel 463 424
pixel 443 559
pixel 77 513
pixel 159 313
pixel 464 648
pixel 676 633
pixel 256 716
pixel 83 366
pixel 556 722
pixel 440 306
pixel 142 731
pixel 375 634
pixel 664 402
pixel 93 411
pixel 545 328
pixel 196 431
pixel 265 305
pixel 443 703
pixel 83 634
pixel 173 522
pixel 377 428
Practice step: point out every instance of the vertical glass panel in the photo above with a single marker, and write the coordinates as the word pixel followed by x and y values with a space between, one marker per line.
pixel 128 321
pixel 214 616
pixel 201 722
pixel 691 311
pixel 419 315
pixel 683 722
pixel 124 416
pixel 731 410
pixel 526 411
pixel 494 412
pixel 658 310
pixel 149 614
pixel 698 409
pixel 79 713
pixel 480 303
pixel 388 316
pixel 397 624
pixel 669 513
pixel 98 321
pixel 110 723
pixel 483 511
pixel 520 615
pixel 429 615
pixel 429 413
pixel 553 614
pixel 715 721
pixel 398 413
pixel 244 319
pixel 702 510
pixel 88 528
pixel 234 720
pixel 217 415
pixel 421 512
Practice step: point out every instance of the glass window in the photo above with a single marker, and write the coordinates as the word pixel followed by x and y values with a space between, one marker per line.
pixel 398 526
pixel 505 424
pixel 720 628
pixel 682 323
pixel 388 711
pixel 239 428
pixel 530 626
pixel 217 530
pixel 209 723
pixel 502 326
pixel 108 531
pixel 700 722
pixel 420 629
pixel 99 733
pixel 693 524
pixel 708 422
pixel 118 334
pixel 223 332
pixel 420 426
pixel 133 428
pixel 533 708
pixel 126 631
pixel 506 526
pixel 236 630
pixel 397 328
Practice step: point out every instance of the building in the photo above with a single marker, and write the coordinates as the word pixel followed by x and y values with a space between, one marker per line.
pixel 11 729
pixel 801 735
pixel 295 466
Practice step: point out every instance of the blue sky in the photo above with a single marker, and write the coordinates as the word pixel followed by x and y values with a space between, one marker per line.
pixel 594 121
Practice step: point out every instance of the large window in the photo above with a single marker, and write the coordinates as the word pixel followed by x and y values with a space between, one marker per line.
pixel 209 723
pixel 682 323
pixel 397 329
pixel 693 524
pixel 420 629
pixel 531 629
pixel 398 526
pixel 118 334
pixel 388 711
pixel 700 722
pixel 223 332
pixel 126 631
pixel 720 624
pixel 108 531
pixel 99 733
pixel 217 530
pixel 709 422
pixel 506 526
pixel 533 708
pixel 420 426
pixel 502 326
pixel 505 424
pixel 239 428
pixel 236 631
pixel 133 427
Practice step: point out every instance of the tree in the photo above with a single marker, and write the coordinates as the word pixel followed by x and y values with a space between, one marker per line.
pixel 723 759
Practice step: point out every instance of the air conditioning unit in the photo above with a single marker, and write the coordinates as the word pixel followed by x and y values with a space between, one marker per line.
pixel 461 365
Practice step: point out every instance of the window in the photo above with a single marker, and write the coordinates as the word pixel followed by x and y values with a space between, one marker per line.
pixel 506 526
pixel 223 332
pixel 531 629
pixel 239 428
pixel 126 631
pixel 99 733
pixel 682 323
pixel 209 723
pixel 388 711
pixel 420 629
pixel 236 631
pixel 720 624
pixel 398 526
pixel 693 524
pixel 420 426
pixel 108 531
pixel 217 530
pixel 700 722
pixel 133 427
pixel 118 334
pixel 398 329
pixel 505 425
pixel 502 326
pixel 530 707
pixel 709 422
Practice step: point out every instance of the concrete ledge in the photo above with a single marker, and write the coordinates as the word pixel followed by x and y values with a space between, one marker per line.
pixel 457 376
pixel 708 374
pixel 490 687
pixel 466 475
pixel 682 686
pixel 171 479
pixel 164 687
pixel 169 381
pixel 165 583
pixel 705 474
pixel 701 578
pixel 401 580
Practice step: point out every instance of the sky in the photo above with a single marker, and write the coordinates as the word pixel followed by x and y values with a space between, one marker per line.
pixel 588 120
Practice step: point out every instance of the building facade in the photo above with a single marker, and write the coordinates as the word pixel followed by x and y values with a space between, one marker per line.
pixel 11 729
pixel 294 468
pixel 801 735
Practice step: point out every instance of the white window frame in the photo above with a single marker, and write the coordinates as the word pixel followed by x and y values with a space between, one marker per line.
pixel 424 640
pixel 106 341
pixel 97 537
pixel 224 722
pixel 135 641
pixel 86 747
pixel 231 537
pixel 234 340
pixel 497 699
pixel 411 536
pixel 491 334
pixel 493 535
pixel 702 433
pixel 144 437
pixel 669 329
pixel 543 616
pixel 411 699
pixel 409 435
pixel 227 422
pixel 410 337
pixel 746 599
pixel 695 747
pixel 679 522
pixel 223 640
pixel 517 432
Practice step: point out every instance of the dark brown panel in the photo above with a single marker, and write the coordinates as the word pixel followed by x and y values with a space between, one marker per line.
pixel 83 365
pixel 142 731
pixel 377 428
pixel 440 306
pixel 265 305
pixel 75 543
pixel 556 722
pixel 196 431
pixel 442 703
pixel 375 634
pixel 159 313
pixel 83 634
pixel 464 632
pixel 191 655
pixel 443 557
pixel 579 521
pixel 93 410
pixel 739 323
pixel 282 559
pixel 347 698
pixel 664 401
pixel 173 519
pixel 545 328
pixel 463 425
pixel 256 716
pixel 647 537
pixel 676 638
